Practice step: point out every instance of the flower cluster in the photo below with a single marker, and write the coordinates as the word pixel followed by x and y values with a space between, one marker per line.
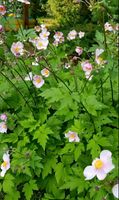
pixel 41 42
pixel 100 166
pixel 73 34
pixel 37 80
pixel 59 38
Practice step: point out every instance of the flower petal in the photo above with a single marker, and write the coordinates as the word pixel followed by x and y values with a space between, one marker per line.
pixel 101 174
pixel 89 172
pixel 105 154
pixel 108 166
pixel 3 173
pixel 6 157
pixel 115 191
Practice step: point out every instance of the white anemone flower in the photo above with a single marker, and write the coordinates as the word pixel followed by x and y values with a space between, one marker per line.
pixel 37 28
pixel 98 58
pixel 3 127
pixel 72 136
pixel 108 27
pixel 38 81
pixel 29 77
pixel 6 164
pixel 2 10
pixel 45 72
pixel 115 191
pixel 86 66
pixel 42 44
pixel 81 34
pixel 17 48
pixel 43 26
pixel 44 35
pixel 79 50
pixel 72 35
pixel 3 117
pixel 100 166
pixel 67 66
pixel 58 35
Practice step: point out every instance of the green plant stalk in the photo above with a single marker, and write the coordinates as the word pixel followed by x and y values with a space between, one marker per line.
pixel 8 105
pixel 25 84
pixel 105 40
pixel 18 92
pixel 98 89
pixel 27 71
pixel 57 77
pixel 111 85
pixel 101 90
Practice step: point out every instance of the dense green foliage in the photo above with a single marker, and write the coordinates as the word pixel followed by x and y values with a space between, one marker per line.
pixel 44 164
pixel 65 12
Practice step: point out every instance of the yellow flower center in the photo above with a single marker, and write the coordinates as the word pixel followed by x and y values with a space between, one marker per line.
pixel 72 136
pixel 46 71
pixel 40 44
pixel 2 9
pixel 98 164
pixel 4 126
pixel 16 49
pixel 4 164
pixel 38 80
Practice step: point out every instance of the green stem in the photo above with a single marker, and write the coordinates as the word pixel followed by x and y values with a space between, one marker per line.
pixel 8 105
pixel 25 84
pixel 98 89
pixel 57 77
pixel 18 92
pixel 101 90
pixel 105 40
pixel 111 85
pixel 27 70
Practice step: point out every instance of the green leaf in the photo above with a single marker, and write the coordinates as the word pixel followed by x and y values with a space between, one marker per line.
pixel 41 134
pixel 71 184
pixel 103 141
pixel 48 166
pixel 59 171
pixel 94 147
pixel 52 95
pixel 8 183
pixel 15 195
pixel 28 189
pixel 79 149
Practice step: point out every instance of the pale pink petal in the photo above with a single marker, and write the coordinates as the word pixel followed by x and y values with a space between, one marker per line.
pixel 108 166
pixel 115 191
pixel 77 139
pixel 3 173
pixel 105 154
pixel 101 174
pixel 71 139
pixel 6 157
pixel 89 172
pixel 67 135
